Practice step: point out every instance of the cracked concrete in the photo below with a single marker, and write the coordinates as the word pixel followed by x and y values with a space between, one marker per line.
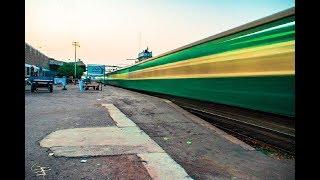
pixel 99 141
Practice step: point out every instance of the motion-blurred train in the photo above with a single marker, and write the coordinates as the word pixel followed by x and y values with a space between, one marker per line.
pixel 251 66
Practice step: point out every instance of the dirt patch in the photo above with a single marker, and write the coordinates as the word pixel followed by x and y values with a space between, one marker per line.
pixel 124 167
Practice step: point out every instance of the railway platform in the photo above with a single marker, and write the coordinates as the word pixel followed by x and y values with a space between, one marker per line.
pixel 121 134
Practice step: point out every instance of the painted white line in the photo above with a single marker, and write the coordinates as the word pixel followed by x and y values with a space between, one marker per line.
pixel 159 165
pixel 162 166
pixel 120 118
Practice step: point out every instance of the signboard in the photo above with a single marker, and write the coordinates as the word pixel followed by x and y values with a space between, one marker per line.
pixel 62 81
pixel 95 70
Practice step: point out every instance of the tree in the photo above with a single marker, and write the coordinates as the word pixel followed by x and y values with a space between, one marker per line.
pixel 67 69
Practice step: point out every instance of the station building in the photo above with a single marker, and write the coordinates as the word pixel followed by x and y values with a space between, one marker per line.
pixel 38 64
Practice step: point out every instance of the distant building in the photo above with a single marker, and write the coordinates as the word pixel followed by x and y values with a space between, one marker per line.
pixel 35 57
pixel 145 54
pixel 36 63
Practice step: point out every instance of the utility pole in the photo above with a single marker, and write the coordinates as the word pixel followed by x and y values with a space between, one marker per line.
pixel 75 44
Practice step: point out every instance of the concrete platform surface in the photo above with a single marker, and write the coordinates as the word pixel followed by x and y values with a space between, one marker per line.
pixel 121 134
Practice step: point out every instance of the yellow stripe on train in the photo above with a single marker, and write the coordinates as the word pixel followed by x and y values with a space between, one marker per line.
pixel 275 59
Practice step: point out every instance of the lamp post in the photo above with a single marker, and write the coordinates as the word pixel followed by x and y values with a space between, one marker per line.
pixel 75 44
pixel 79 62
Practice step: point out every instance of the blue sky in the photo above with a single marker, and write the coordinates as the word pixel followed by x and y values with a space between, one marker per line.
pixel 108 30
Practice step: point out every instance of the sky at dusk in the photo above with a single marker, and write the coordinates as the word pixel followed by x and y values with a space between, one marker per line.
pixel 111 31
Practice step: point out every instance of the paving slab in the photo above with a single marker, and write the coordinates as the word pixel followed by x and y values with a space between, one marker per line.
pixel 99 141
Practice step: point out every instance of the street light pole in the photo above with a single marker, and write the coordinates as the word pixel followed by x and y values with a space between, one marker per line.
pixel 75 62
pixel 75 44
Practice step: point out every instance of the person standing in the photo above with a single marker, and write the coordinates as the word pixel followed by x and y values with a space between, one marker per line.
pixel 81 85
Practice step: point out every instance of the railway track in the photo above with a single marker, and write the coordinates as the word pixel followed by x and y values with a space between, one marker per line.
pixel 258 129
pixel 264 130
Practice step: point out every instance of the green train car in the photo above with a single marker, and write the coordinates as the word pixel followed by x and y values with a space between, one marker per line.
pixel 251 66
